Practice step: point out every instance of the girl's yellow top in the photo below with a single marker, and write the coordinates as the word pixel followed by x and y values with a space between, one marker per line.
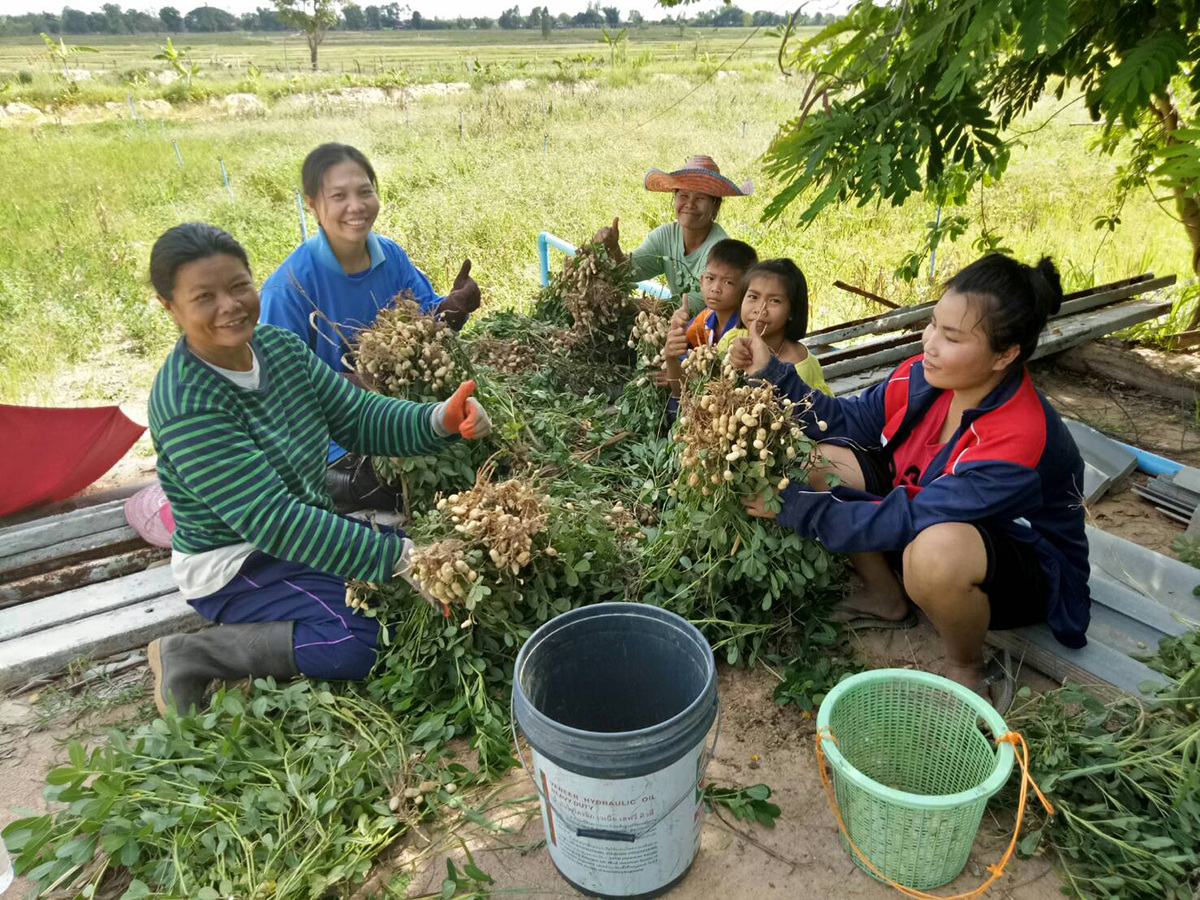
pixel 809 370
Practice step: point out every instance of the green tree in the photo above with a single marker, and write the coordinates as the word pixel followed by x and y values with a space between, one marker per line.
pixel 178 60
pixel 918 98
pixel 313 17
pixel 209 18
pixel 374 20
pixel 355 20
pixel 615 42
pixel 612 16
pixel 58 52
pixel 547 22
pixel 511 18
pixel 171 19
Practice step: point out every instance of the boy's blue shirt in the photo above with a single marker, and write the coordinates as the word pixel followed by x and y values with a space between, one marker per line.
pixel 311 279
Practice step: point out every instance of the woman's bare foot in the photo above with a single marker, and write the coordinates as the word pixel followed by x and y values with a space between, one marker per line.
pixel 969 675
pixel 888 605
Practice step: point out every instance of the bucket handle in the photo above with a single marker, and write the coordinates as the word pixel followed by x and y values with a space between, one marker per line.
pixel 600 833
pixel 1021 752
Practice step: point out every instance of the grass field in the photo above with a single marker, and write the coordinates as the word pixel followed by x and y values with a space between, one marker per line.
pixel 85 202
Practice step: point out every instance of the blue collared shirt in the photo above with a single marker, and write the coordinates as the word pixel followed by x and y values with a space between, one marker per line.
pixel 311 280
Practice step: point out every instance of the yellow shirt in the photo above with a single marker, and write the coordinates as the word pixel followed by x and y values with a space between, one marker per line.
pixel 809 370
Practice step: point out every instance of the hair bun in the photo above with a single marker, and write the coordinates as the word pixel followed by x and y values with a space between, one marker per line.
pixel 1049 273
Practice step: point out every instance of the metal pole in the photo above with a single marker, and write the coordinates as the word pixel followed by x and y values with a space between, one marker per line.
pixel 178 155
pixel 225 175
pixel 303 223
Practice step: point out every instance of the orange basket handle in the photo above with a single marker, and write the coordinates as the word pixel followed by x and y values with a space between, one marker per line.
pixel 1021 751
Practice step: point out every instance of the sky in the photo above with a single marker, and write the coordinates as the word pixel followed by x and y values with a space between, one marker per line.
pixel 440 8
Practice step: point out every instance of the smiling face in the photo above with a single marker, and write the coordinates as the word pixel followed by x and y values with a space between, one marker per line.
pixel 721 285
pixel 215 305
pixel 958 353
pixel 694 211
pixel 347 205
pixel 766 303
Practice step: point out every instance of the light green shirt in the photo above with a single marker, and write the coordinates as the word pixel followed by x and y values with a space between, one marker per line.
pixel 661 253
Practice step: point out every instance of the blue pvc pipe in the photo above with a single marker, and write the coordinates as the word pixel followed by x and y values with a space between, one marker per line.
pixel 546 240
pixel 1150 463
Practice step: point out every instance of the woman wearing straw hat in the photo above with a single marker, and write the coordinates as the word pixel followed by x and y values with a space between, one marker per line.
pixel 241 414
pixel 679 249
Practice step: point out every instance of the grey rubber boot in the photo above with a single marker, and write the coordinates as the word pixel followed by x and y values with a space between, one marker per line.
pixel 184 664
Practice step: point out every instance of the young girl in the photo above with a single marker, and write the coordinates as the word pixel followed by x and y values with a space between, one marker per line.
pixel 776 305
pixel 954 473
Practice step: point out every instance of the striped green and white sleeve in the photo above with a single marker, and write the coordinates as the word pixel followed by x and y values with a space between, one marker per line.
pixel 221 465
pixel 369 423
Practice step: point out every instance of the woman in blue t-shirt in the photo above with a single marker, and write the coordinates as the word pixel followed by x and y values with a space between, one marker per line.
pixel 335 283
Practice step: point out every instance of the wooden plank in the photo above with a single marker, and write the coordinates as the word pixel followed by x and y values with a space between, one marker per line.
pixel 1186 339
pixel 1169 581
pixel 909 315
pixel 84 573
pixel 837 354
pixel 79 501
pixel 893 349
pixel 81 603
pixel 1167 375
pixel 1097 663
pixel 1065 333
pixel 75 549
pixel 50 651
pixel 873 297
pixel 63 527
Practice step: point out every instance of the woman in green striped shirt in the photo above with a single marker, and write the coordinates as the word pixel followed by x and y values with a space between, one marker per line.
pixel 241 415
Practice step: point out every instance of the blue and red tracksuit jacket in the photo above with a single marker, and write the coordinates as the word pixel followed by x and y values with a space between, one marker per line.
pixel 1012 463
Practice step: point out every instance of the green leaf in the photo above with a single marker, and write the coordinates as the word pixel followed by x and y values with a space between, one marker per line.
pixel 136 891
pixel 477 874
pixel 1146 70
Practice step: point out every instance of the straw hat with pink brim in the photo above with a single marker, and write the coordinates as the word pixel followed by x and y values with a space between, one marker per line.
pixel 149 514
pixel 700 174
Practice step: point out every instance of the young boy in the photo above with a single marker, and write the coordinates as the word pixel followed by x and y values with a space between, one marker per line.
pixel 722 288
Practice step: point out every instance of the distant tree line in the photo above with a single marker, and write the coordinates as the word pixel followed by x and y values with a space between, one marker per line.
pixel 112 19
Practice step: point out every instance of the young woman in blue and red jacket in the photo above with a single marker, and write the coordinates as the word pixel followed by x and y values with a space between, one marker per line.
pixel 954 473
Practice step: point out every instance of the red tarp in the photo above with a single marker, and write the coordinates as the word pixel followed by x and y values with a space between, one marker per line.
pixel 49 454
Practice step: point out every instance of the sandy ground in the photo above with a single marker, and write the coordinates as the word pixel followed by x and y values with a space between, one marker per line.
pixel 802 855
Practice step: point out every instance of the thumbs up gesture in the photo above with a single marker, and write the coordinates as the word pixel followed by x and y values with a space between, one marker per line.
pixel 462 414
pixel 463 299
pixel 677 344
pixel 750 353
pixel 610 237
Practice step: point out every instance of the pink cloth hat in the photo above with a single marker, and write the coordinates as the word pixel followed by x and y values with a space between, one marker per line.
pixel 700 174
pixel 149 513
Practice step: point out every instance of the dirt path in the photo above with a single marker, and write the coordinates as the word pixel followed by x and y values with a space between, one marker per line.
pixel 801 857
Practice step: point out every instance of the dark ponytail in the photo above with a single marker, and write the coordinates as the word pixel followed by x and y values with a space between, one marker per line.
pixel 1014 300
pixel 187 243
pixel 312 173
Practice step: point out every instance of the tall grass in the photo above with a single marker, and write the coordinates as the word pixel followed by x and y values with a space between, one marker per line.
pixel 84 203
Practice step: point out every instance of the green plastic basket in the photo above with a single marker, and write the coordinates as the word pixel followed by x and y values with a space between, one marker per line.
pixel 912 771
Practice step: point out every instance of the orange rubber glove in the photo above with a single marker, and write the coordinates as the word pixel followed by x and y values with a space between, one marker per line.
pixel 462 414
